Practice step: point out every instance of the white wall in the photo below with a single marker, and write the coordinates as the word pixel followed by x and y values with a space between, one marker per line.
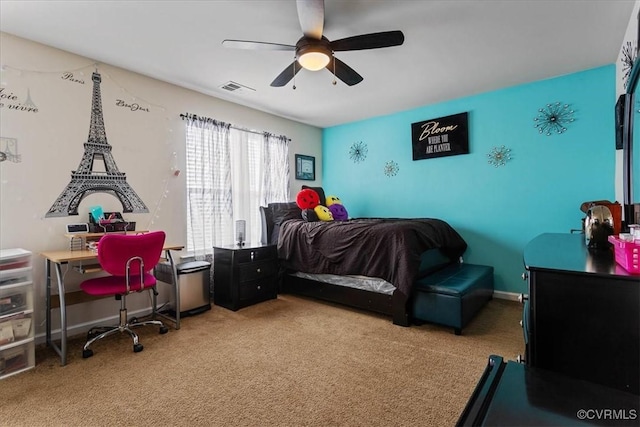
pixel 147 145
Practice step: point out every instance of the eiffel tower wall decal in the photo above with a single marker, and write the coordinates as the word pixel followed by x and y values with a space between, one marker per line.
pixel 85 180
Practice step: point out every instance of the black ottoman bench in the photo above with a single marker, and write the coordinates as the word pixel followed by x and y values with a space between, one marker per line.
pixel 453 295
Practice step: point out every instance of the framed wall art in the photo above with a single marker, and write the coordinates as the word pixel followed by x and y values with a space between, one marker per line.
pixel 444 136
pixel 305 167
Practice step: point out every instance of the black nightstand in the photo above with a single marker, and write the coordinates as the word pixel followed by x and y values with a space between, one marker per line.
pixel 245 275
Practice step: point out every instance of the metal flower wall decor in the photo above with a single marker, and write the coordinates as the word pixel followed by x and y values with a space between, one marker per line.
pixel 553 118
pixel 499 156
pixel 358 152
pixel 391 168
pixel 628 57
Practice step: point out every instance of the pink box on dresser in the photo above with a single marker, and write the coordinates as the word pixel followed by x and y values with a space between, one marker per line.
pixel 627 254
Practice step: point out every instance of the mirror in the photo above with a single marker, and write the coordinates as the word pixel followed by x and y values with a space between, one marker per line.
pixel 635 146
pixel 631 156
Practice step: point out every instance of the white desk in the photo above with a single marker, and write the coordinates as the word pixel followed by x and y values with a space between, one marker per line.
pixel 59 258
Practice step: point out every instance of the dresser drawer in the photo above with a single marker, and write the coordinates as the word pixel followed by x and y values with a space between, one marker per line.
pixel 257 270
pixel 244 276
pixel 259 289
pixel 256 254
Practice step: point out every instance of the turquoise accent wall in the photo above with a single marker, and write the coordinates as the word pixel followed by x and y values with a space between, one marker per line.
pixel 497 210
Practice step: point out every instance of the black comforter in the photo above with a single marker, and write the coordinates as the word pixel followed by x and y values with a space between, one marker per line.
pixel 386 248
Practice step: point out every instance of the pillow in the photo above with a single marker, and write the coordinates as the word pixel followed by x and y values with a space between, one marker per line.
pixel 307 199
pixel 331 200
pixel 339 212
pixel 310 215
pixel 320 192
pixel 323 212
pixel 281 212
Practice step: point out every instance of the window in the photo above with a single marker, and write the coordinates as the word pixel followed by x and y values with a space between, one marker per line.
pixel 230 174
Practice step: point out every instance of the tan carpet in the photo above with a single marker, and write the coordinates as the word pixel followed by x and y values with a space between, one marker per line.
pixel 285 362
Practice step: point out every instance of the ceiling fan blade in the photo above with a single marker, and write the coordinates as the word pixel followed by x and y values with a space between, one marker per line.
pixel 286 75
pixel 369 41
pixel 248 44
pixel 344 72
pixel 311 16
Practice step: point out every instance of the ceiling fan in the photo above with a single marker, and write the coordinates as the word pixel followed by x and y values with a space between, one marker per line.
pixel 314 51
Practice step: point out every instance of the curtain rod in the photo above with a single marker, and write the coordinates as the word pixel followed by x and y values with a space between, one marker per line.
pixel 194 116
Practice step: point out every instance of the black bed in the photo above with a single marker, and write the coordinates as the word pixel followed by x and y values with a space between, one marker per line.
pixel 397 250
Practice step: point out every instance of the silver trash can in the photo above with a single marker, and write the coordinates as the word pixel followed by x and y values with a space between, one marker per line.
pixel 193 285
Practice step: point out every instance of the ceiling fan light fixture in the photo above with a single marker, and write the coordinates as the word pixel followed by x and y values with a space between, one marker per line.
pixel 314 51
pixel 314 60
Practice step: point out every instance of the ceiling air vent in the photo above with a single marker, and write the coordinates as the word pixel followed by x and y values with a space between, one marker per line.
pixel 234 87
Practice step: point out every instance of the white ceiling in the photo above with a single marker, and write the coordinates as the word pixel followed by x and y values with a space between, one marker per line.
pixel 452 48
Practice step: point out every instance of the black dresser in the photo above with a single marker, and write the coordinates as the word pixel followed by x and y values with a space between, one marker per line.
pixel 582 315
pixel 243 276
pixel 513 394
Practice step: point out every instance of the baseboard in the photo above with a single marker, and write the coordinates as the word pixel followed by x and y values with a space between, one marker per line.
pixel 83 328
pixel 511 296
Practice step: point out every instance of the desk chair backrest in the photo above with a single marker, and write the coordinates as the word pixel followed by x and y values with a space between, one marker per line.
pixel 115 250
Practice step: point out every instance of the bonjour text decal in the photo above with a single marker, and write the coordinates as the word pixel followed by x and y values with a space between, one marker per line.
pixel 444 136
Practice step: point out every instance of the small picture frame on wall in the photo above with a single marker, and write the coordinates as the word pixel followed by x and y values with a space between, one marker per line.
pixel 305 167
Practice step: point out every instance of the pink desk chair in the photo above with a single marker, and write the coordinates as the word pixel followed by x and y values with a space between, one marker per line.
pixel 129 259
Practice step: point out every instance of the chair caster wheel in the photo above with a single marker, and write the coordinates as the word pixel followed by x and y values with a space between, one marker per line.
pixel 87 353
pixel 163 330
pixel 137 348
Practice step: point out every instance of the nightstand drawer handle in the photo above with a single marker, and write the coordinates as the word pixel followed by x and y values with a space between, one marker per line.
pixel 252 255
pixel 258 270
pixel 259 287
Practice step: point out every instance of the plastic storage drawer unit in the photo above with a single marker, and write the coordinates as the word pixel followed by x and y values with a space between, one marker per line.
pixel 17 348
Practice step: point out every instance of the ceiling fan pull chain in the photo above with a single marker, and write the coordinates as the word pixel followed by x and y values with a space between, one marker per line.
pixel 334 69
pixel 294 73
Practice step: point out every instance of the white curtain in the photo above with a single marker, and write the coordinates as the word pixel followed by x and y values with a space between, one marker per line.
pixel 275 179
pixel 230 174
pixel 209 199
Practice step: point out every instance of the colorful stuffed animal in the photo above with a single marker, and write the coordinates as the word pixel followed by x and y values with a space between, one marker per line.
pixel 332 200
pixel 320 192
pixel 307 199
pixel 323 212
pixel 338 211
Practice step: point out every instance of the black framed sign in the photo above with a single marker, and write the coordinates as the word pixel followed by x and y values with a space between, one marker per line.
pixel 444 136
pixel 305 167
